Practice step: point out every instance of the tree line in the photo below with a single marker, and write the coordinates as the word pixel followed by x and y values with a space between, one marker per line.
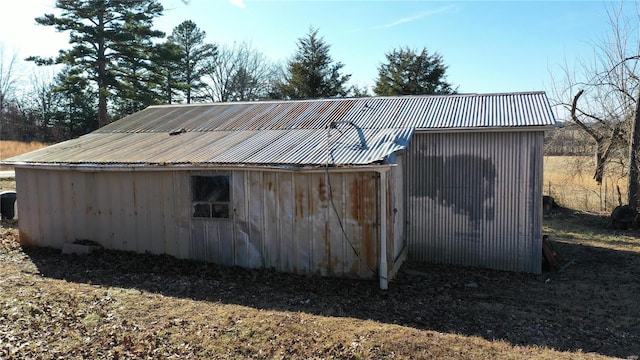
pixel 118 64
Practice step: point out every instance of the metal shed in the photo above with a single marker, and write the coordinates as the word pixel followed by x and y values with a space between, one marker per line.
pixel 336 187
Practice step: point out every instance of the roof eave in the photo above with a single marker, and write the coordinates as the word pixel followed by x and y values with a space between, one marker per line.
pixel 487 129
pixel 84 167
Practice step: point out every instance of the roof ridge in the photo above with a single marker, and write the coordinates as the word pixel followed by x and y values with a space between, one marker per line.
pixel 285 101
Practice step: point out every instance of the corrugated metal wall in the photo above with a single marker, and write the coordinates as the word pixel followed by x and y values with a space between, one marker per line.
pixel 475 199
pixel 132 211
pixel 286 221
pixel 397 208
pixel 281 220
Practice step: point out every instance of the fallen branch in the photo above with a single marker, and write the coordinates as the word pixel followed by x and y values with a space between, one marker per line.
pixel 567 265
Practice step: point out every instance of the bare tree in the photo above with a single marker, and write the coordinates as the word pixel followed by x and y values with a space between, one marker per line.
pixel 602 97
pixel 41 96
pixel 240 73
pixel 7 77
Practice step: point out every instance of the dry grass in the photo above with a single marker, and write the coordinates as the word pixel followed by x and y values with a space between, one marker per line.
pixel 569 179
pixel 7 184
pixel 9 148
pixel 128 306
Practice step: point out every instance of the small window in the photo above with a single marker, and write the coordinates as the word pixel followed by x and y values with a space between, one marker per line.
pixel 210 196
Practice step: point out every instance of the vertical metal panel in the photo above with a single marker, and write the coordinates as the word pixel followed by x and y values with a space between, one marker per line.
pixel 341 256
pixel 267 183
pixel 144 220
pixel 162 229
pixel 397 210
pixel 119 210
pixel 281 220
pixel 22 181
pixel 254 201
pixel 222 243
pixel 369 222
pixel 47 211
pixel 319 240
pixel 178 218
pixel 197 239
pixel 284 188
pixel 247 253
pixel 291 225
pixel 303 221
pixel 73 193
pixel 473 199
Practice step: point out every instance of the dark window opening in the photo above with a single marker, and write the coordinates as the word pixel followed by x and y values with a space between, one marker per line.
pixel 210 196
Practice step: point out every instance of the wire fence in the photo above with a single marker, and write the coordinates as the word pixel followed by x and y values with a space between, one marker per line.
pixel 569 180
pixel 603 199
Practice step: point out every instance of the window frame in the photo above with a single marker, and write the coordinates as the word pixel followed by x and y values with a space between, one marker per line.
pixel 211 203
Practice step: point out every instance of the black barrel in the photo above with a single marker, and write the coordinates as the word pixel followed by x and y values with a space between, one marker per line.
pixel 7 204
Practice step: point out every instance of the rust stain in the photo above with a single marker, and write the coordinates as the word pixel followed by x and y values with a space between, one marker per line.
pixel 135 197
pixel 300 204
pixel 327 241
pixel 322 190
pixel 368 241
pixel 369 220
pixel 24 238
pixel 354 204
pixel 341 110
pixel 362 209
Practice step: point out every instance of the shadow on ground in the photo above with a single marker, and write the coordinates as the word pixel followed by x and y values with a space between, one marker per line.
pixel 591 305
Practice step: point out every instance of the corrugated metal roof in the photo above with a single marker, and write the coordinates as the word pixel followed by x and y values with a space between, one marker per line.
pixel 268 147
pixel 421 112
pixel 348 131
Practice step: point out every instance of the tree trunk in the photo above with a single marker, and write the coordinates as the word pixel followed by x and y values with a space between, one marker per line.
pixel 103 118
pixel 169 90
pixel 634 147
pixel 102 74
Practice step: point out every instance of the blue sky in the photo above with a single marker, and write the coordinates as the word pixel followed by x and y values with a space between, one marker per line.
pixel 498 46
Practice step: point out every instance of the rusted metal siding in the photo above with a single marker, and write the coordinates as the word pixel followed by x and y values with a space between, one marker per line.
pixel 475 199
pixel 290 221
pixel 133 211
pixel 287 221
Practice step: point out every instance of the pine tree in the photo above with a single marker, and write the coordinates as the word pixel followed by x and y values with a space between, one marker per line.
pixel 196 55
pixel 103 35
pixel 410 73
pixel 167 57
pixel 312 73
pixel 76 112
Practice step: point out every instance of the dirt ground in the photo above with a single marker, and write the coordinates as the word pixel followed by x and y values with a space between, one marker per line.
pixel 591 305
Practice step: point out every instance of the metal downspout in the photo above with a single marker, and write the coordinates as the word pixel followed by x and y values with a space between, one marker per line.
pixel 384 272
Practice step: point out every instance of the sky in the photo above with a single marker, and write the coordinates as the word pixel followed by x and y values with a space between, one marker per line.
pixel 489 47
